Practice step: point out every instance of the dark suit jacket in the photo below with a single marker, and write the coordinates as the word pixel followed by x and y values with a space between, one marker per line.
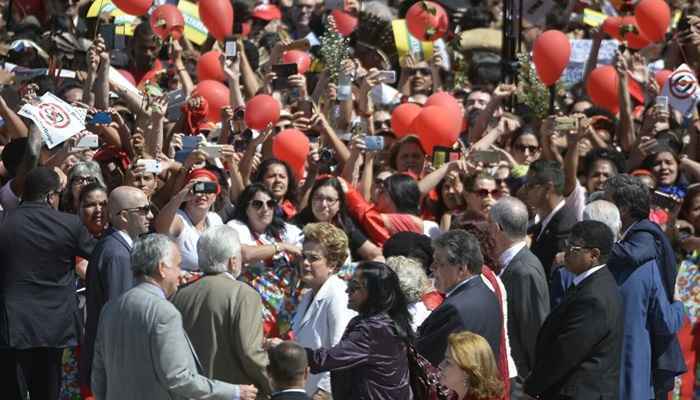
pixel 290 396
pixel 108 276
pixel 553 238
pixel 38 247
pixel 472 307
pixel 528 306
pixel 578 347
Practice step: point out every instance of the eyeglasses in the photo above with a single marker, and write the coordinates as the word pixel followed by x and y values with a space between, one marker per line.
pixel 354 286
pixel 521 148
pixel 83 180
pixel 321 200
pixel 570 247
pixel 484 193
pixel 380 125
pixel 144 210
pixel 258 204
pixel 420 71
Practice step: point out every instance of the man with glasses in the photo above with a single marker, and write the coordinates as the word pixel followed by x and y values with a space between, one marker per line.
pixel 39 308
pixel 109 269
pixel 578 347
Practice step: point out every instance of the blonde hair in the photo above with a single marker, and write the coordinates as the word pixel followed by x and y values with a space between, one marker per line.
pixel 333 240
pixel 473 354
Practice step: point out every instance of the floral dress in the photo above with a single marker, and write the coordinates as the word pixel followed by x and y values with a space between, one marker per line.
pixel 688 292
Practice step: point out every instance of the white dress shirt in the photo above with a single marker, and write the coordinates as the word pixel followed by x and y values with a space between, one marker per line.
pixel 580 277
pixel 127 238
pixel 507 256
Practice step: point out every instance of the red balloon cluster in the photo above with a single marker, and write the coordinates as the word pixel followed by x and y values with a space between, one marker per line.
pixel 402 117
pixel 653 18
pixel 427 21
pixel 292 147
pixel 217 16
pixel 133 7
pixel 551 54
pixel 167 20
pixel 438 123
pixel 301 58
pixel 261 111
pixel 602 87
pixel 344 22
pixel 216 94
pixel 209 67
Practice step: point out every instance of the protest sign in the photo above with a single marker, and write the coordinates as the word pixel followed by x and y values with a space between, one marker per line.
pixel 580 49
pixel 56 119
pixel 681 88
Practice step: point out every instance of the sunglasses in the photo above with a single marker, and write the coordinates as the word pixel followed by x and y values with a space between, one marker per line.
pixel 421 71
pixel 141 210
pixel 521 148
pixel 484 193
pixel 380 125
pixel 258 204
pixel 83 180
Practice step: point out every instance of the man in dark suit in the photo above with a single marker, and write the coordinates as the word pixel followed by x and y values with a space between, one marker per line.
pixel 38 306
pixel 578 347
pixel 288 370
pixel 109 269
pixel 469 304
pixel 544 192
pixel 525 282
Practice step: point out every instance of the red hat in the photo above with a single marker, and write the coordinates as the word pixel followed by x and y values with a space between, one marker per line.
pixel 204 173
pixel 267 12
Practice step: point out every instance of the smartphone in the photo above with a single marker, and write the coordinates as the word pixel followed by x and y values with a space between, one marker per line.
pixel 662 102
pixel 230 48
pixel 283 72
pixel 301 44
pixel 176 99
pixel 151 166
pixel 440 156
pixel 101 118
pixel 344 89
pixel 88 142
pixel 108 33
pixel 305 106
pixel 663 200
pixel 565 124
pixel 387 77
pixel 240 145
pixel 212 150
pixel 189 143
pixel 374 143
pixel 486 157
pixel 204 187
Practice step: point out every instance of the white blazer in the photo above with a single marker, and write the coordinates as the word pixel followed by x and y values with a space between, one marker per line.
pixel 320 323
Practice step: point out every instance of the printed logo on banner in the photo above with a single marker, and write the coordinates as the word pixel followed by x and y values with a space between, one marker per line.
pixel 56 119
pixel 681 88
pixel 53 115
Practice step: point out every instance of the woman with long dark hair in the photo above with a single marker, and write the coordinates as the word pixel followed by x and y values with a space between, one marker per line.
pixel 277 176
pixel 370 360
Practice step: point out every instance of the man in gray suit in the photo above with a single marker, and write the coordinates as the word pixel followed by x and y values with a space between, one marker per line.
pixel 526 285
pixel 223 316
pixel 141 351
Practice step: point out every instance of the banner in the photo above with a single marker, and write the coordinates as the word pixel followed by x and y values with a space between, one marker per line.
pixel 56 119
pixel 422 51
pixel 681 88
pixel 194 28
pixel 580 49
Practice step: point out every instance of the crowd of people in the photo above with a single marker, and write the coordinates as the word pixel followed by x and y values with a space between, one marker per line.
pixel 178 248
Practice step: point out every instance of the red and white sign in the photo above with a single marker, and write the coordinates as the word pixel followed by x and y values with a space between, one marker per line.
pixel 56 119
pixel 681 88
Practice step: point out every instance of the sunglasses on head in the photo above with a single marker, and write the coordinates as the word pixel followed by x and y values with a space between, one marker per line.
pixel 257 204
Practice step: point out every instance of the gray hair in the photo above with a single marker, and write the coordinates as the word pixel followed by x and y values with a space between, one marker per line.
pixel 149 251
pixel 215 247
pixel 87 168
pixel 412 278
pixel 511 215
pixel 605 212
pixel 462 248
pixel 630 194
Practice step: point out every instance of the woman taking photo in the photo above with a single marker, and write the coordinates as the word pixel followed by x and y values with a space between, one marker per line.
pixel 268 247
pixel 370 360
pixel 79 176
pixel 469 368
pixel 188 214
pixel 323 312
pixel 327 204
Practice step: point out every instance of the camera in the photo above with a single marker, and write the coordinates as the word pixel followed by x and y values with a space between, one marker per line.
pixel 326 156
pixel 204 187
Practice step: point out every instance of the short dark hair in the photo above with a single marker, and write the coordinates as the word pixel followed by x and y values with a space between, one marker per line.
pixel 462 249
pixel 288 363
pixel 615 158
pixel 39 182
pixel 12 155
pixel 546 171
pixel 410 244
pixel 89 188
pixel 630 193
pixel 404 193
pixel 594 234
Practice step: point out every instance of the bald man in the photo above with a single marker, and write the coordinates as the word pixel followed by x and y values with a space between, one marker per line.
pixel 109 270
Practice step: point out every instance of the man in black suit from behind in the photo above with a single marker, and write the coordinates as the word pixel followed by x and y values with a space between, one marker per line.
pixel 578 347
pixel 469 304
pixel 288 371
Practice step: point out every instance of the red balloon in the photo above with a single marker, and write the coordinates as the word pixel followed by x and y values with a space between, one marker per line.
pixel 133 7
pixel 662 76
pixel 635 40
pixel 262 110
pixel 291 146
pixel 301 58
pixel 345 22
pixel 216 94
pixel 217 16
pixel 435 126
pixel 446 100
pixel 551 56
pixel 209 67
pixel 653 18
pixel 427 21
pixel 611 26
pixel 602 88
pixel 167 20
pixel 402 117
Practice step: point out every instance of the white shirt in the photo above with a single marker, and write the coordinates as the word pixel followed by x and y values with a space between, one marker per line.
pixel 419 312
pixel 507 256
pixel 580 277
pixel 189 236
pixel 127 238
pixel 549 217
pixel 459 284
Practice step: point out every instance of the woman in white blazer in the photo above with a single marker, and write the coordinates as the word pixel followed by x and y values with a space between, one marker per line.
pixel 323 311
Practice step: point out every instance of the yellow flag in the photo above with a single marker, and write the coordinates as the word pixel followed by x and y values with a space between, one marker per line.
pixel 194 28
pixel 593 18
pixel 407 44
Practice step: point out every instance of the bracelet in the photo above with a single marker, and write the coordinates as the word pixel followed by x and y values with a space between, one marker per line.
pixel 277 248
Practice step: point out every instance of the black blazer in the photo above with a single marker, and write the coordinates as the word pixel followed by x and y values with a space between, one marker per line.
pixel 471 307
pixel 108 276
pixel 38 304
pixel 290 396
pixel 553 238
pixel 579 345
pixel 528 306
